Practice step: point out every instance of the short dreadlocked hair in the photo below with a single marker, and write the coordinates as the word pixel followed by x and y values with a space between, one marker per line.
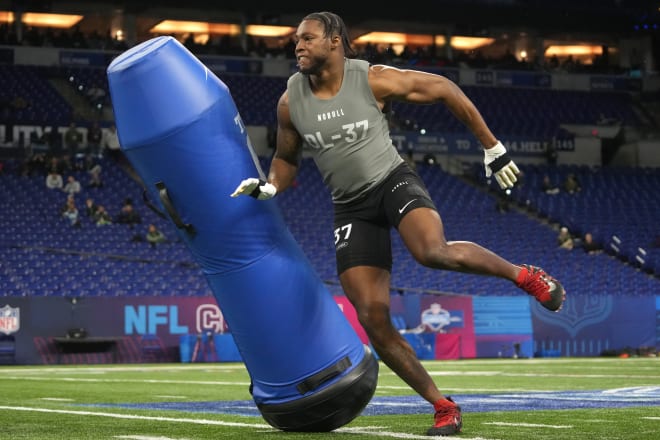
pixel 333 24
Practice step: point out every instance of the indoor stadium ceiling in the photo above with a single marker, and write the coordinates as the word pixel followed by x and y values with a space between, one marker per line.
pixel 468 16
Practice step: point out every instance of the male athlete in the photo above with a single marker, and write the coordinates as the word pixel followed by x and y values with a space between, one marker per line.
pixel 335 107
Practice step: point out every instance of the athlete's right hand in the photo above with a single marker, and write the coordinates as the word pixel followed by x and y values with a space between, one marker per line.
pixel 498 162
pixel 257 188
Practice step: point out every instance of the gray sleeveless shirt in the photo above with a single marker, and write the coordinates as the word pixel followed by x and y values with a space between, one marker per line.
pixel 347 135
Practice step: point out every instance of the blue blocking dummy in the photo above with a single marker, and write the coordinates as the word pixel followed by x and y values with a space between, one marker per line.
pixel 180 129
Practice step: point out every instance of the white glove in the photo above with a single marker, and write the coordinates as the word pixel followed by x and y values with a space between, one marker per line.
pixel 257 188
pixel 498 162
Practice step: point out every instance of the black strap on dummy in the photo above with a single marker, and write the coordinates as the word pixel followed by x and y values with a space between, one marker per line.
pixel 169 207
pixel 315 381
pixel 154 208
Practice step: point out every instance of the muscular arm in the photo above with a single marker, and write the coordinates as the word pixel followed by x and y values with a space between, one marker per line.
pixel 284 166
pixel 389 83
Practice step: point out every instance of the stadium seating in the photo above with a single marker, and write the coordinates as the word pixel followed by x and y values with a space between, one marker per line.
pixel 524 111
pixel 43 104
pixel 44 255
pixel 41 254
pixel 509 111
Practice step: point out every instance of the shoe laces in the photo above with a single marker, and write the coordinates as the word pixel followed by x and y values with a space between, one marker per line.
pixel 537 283
pixel 447 415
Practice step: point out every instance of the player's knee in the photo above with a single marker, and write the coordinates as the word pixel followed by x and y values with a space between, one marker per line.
pixel 433 256
pixel 373 318
pixel 440 257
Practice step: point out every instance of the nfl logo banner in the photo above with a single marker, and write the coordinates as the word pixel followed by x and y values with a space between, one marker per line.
pixel 10 319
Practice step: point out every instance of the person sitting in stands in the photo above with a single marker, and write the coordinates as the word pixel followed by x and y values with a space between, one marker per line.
pixel 589 245
pixel 71 213
pixel 90 207
pixel 571 184
pixel 548 187
pixel 54 180
pixel 154 235
pixel 72 185
pixel 564 239
pixel 102 217
pixel 128 215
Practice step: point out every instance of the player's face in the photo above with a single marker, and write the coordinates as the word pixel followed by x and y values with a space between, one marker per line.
pixel 312 47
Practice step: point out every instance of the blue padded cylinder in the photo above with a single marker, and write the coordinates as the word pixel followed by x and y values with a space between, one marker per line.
pixel 180 129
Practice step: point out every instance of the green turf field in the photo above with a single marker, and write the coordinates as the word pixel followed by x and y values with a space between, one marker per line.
pixel 512 399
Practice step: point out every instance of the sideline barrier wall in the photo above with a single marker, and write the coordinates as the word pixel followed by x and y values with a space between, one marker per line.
pixel 609 323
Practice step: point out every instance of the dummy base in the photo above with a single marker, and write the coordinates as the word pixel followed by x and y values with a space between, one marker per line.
pixel 330 408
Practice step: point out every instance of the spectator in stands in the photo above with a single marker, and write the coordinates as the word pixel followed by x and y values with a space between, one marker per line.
pixel 551 153
pixel 70 198
pixel 57 164
pixel 373 189
pixel 589 245
pixel 128 215
pixel 110 143
pixel 94 139
pixel 548 187
pixel 72 185
pixel 569 64
pixel 93 169
pixel 571 184
pixel 54 180
pixel 90 207
pixel 73 140
pixel 95 179
pixel 102 216
pixel 71 213
pixel 564 239
pixel 34 165
pixel 154 235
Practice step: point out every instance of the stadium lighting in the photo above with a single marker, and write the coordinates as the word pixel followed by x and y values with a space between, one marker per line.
pixel 394 38
pixel 195 27
pixel 401 39
pixel 465 43
pixel 200 27
pixel 575 50
pixel 259 30
pixel 41 19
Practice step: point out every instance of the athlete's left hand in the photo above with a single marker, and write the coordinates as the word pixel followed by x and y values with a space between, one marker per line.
pixel 498 162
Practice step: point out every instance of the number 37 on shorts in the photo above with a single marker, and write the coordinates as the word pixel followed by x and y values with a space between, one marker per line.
pixel 342 235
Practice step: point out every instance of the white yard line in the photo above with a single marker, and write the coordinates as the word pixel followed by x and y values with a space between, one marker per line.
pixel 382 388
pixel 371 430
pixel 529 425
pixel 139 368
pixel 138 417
pixel 99 380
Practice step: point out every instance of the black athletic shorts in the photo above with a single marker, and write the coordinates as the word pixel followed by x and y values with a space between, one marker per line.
pixel 362 227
